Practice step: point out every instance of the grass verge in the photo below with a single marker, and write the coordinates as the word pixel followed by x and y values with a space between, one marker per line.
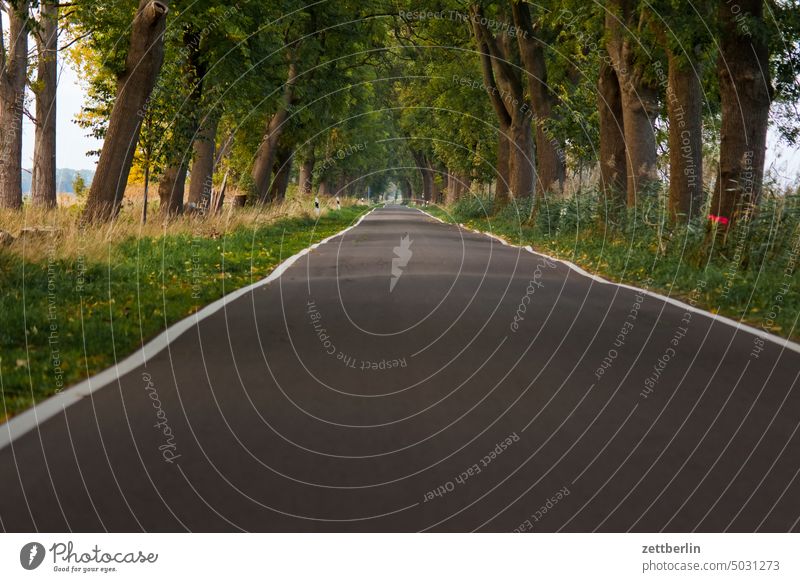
pixel 754 278
pixel 73 303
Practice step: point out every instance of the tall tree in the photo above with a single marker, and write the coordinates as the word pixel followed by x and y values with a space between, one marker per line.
pixel 638 92
pixel 685 40
pixel 202 179
pixel 284 158
pixel 550 162
pixel 507 91
pixel 613 159
pixel 134 86
pixel 745 88
pixel 267 151
pixel 13 76
pixel 685 111
pixel 305 181
pixel 43 182
pixel 503 164
pixel 184 127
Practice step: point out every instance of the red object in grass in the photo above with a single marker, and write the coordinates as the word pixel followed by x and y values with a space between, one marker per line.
pixel 718 219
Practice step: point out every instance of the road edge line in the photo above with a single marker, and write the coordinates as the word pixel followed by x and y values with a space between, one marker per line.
pixel 26 421
pixel 776 339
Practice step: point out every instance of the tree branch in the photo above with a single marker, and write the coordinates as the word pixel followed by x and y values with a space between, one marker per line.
pixel 74 40
pixel 504 72
pixel 488 75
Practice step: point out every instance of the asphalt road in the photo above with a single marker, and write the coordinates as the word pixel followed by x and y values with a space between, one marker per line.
pixel 489 389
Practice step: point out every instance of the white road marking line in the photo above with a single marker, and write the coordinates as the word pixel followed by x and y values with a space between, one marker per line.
pixel 783 342
pixel 39 413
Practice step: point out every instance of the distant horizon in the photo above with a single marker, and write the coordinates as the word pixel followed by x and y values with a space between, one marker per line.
pixel 64 179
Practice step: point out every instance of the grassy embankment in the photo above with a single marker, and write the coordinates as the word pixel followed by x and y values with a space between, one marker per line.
pixel 755 278
pixel 74 302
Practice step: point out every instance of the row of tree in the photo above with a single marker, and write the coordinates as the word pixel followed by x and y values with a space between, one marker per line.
pixel 649 92
pixel 349 95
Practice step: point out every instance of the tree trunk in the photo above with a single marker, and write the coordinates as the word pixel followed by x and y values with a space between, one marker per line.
pixel 306 177
pixel 143 63
pixel 523 168
pixel 408 191
pixel 503 170
pixel 352 186
pixel 425 172
pixel 613 161
pixel 43 182
pixel 456 185
pixel 283 167
pixel 323 189
pixel 684 107
pixel 450 191
pixel 225 147
pixel 218 198
pixel 13 75
pixel 171 189
pixel 502 185
pixel 173 184
pixel 745 92
pixel 202 176
pixel 428 187
pixel 550 163
pixel 265 156
pixel 436 176
pixel 638 96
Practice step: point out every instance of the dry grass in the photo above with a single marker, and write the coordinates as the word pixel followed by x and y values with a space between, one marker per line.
pixel 65 238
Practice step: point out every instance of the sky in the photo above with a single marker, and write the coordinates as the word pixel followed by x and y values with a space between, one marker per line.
pixel 71 140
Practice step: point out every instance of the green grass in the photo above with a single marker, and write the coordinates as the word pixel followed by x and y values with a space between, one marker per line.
pixel 754 277
pixel 64 319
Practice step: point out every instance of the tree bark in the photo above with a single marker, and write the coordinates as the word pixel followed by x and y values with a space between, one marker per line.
pixel 13 75
pixel 43 182
pixel 265 156
pixel 502 186
pixel 283 167
pixel 639 97
pixel 143 63
pixel 745 92
pixel 201 180
pixel 550 163
pixel 613 161
pixel 171 189
pixel 306 177
pixel 523 166
pixel 684 107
